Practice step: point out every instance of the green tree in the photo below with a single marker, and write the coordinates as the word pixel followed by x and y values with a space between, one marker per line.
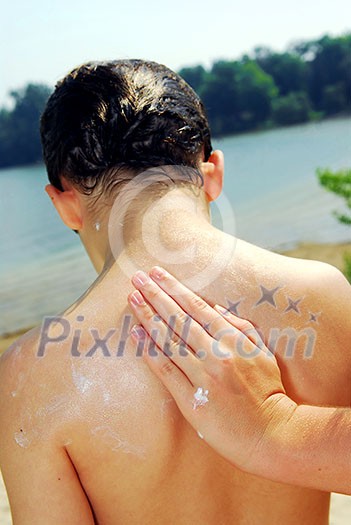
pixel 338 182
pixel 331 67
pixel 194 76
pixel 219 94
pixel 334 98
pixel 19 128
pixel 288 70
pixel 237 95
pixel 291 109
pixel 256 91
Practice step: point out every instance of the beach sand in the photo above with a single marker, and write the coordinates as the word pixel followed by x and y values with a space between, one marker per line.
pixel 5 515
pixel 330 253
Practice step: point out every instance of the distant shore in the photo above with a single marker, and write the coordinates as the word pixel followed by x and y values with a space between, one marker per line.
pixel 267 126
pixel 329 253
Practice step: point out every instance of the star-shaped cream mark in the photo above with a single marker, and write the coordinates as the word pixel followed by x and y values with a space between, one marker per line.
pixel 293 305
pixel 314 317
pixel 268 296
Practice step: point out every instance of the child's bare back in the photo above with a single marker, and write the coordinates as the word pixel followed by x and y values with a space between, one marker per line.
pixel 88 423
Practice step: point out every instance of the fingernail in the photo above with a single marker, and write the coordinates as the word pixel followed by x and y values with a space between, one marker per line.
pixel 140 278
pixel 222 310
pixel 138 332
pixel 136 298
pixel 157 272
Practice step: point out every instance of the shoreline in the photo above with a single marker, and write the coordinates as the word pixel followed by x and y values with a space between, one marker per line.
pixel 265 127
pixel 7 339
pixel 331 253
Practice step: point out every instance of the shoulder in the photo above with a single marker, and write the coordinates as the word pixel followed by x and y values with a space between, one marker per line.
pixel 317 279
pixel 25 387
pixel 324 284
pixel 15 373
pixel 315 276
pixel 313 307
pixel 30 457
pixel 325 290
pixel 17 358
pixel 326 303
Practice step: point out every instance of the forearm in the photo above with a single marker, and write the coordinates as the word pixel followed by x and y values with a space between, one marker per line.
pixel 311 449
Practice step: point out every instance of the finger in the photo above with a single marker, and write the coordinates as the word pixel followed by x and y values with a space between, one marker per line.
pixel 178 321
pixel 166 370
pixel 178 299
pixel 245 327
pixel 168 341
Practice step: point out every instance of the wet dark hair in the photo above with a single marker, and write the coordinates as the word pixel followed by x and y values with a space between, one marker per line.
pixel 106 119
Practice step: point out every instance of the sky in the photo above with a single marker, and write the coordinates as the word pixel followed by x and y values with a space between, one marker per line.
pixel 44 39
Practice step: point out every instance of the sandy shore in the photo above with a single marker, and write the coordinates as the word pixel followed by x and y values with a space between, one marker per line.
pixel 330 253
pixel 5 515
pixel 8 339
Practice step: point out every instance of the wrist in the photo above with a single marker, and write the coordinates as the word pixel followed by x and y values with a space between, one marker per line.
pixel 274 442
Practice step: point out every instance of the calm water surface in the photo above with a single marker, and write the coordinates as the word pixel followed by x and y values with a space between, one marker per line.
pixel 270 184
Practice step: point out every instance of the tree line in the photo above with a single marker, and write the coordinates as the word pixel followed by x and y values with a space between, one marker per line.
pixel 260 90
pixel 310 80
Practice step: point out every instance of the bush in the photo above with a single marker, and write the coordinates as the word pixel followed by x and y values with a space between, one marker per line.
pixel 291 109
pixel 338 182
pixel 334 98
pixel 347 267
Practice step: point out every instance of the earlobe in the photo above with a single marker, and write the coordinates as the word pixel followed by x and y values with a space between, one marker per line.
pixel 67 205
pixel 213 173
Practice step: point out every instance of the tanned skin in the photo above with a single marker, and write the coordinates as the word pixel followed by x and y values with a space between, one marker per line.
pixel 88 437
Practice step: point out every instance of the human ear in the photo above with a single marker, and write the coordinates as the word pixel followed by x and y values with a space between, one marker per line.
pixel 67 205
pixel 213 173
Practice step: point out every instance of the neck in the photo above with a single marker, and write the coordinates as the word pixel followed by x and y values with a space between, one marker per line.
pixel 151 228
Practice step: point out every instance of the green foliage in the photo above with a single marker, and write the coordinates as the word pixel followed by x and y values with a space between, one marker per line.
pixel 19 128
pixel 237 96
pixel 310 80
pixel 291 109
pixel 256 90
pixel 331 68
pixel 334 98
pixel 195 76
pixel 347 267
pixel 316 116
pixel 339 183
pixel 289 71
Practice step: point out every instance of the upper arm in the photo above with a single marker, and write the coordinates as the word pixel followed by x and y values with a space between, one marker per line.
pixel 43 487
pixel 315 354
pixel 331 296
pixel 42 484
pixel 335 302
pixel 338 298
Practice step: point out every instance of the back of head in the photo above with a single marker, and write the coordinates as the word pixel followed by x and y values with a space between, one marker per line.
pixel 106 121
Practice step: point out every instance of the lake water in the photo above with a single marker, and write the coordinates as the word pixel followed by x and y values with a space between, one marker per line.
pixel 270 184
